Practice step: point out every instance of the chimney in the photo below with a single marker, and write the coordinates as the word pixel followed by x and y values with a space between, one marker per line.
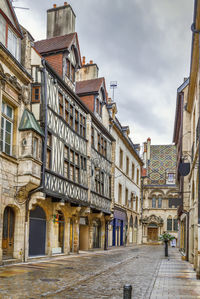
pixel 148 148
pixel 88 71
pixel 60 20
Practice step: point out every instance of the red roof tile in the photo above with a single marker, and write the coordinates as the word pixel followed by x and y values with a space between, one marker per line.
pixel 54 43
pixel 86 86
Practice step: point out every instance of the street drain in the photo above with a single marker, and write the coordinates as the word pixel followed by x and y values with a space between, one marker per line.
pixel 49 279
pixel 69 268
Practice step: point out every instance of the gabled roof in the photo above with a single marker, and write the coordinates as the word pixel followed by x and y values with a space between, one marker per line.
pixel 89 86
pixel 53 44
pixel 29 122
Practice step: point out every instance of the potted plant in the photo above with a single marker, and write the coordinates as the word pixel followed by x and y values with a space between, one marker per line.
pixel 166 237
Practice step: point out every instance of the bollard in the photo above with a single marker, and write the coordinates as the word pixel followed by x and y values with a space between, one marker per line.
pixel 127 291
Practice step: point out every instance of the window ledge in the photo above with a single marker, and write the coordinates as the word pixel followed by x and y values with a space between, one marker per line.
pixel 9 158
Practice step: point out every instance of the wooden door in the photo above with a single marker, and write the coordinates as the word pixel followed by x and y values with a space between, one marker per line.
pixel 153 234
pixel 8 232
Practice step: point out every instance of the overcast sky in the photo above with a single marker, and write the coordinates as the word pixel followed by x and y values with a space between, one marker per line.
pixel 144 45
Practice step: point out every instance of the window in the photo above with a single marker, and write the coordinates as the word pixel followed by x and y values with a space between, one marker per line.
pixel 121 158
pixel 35 93
pixel 99 182
pixel 170 178
pixel 133 171
pixel 73 161
pixel 126 199
pixel 60 97
pixel 127 166
pixel 48 156
pixel 35 147
pixel 9 39
pixel 13 44
pixel 6 128
pixel 110 184
pixel 2 30
pixel 169 224
pixel 154 202
pixel 159 202
pixel 136 205
pixel 120 193
pixel 175 224
pixel 92 136
pixel 138 176
pixel 72 116
pixel 70 70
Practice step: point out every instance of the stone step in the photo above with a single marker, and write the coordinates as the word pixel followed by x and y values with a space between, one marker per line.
pixel 10 261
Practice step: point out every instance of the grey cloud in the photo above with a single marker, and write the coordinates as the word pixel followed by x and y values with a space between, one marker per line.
pixel 141 44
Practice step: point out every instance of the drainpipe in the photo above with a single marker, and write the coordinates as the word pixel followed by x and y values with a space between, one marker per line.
pixel 44 116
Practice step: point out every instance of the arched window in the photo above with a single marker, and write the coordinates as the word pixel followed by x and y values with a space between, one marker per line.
pixel 175 224
pixel 160 202
pixel 136 222
pixel 153 202
pixel 169 223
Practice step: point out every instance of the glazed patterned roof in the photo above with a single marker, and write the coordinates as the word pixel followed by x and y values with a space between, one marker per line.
pixel 162 161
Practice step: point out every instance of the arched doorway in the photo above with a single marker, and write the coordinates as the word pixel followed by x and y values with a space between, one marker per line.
pixel 8 232
pixel 37 232
pixel 152 232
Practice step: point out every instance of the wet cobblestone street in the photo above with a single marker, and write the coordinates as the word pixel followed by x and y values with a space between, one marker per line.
pixel 92 275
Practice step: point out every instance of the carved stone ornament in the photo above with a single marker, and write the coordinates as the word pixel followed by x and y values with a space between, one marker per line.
pixel 25 96
pixel 152 219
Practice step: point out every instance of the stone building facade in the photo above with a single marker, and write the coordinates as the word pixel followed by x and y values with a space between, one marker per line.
pixel 160 193
pixel 125 228
pixel 186 135
pixel 20 140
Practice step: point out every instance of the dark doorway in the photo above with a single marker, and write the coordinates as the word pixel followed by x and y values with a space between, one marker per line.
pixel 37 232
pixel 96 234
pixel 61 226
pixel 8 232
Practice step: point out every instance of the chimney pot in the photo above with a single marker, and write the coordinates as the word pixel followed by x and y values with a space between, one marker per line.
pixel 83 60
pixel 91 61
pixel 65 3
pixel 54 6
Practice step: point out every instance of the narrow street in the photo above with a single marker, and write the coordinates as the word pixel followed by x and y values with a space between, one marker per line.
pixel 102 275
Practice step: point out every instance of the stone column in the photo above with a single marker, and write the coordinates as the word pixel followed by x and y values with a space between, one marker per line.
pixel 90 228
pixel 76 234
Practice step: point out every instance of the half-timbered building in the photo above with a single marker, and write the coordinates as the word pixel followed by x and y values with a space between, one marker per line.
pixel 74 202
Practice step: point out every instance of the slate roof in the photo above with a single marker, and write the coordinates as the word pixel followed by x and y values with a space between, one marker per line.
pixel 87 86
pixel 55 43
pixel 29 122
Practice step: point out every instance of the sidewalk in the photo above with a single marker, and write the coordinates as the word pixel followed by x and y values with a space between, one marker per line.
pixel 174 279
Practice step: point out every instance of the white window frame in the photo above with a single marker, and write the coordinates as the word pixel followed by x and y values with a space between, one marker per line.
pixel 5 119
pixel 2 30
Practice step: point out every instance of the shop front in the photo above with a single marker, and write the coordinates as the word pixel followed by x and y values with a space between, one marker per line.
pixel 119 227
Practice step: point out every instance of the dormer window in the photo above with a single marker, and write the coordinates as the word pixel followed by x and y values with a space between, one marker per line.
pixel 171 178
pixel 70 70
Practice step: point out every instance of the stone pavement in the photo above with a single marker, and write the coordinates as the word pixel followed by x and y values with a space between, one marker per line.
pixel 175 279
pixel 102 274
